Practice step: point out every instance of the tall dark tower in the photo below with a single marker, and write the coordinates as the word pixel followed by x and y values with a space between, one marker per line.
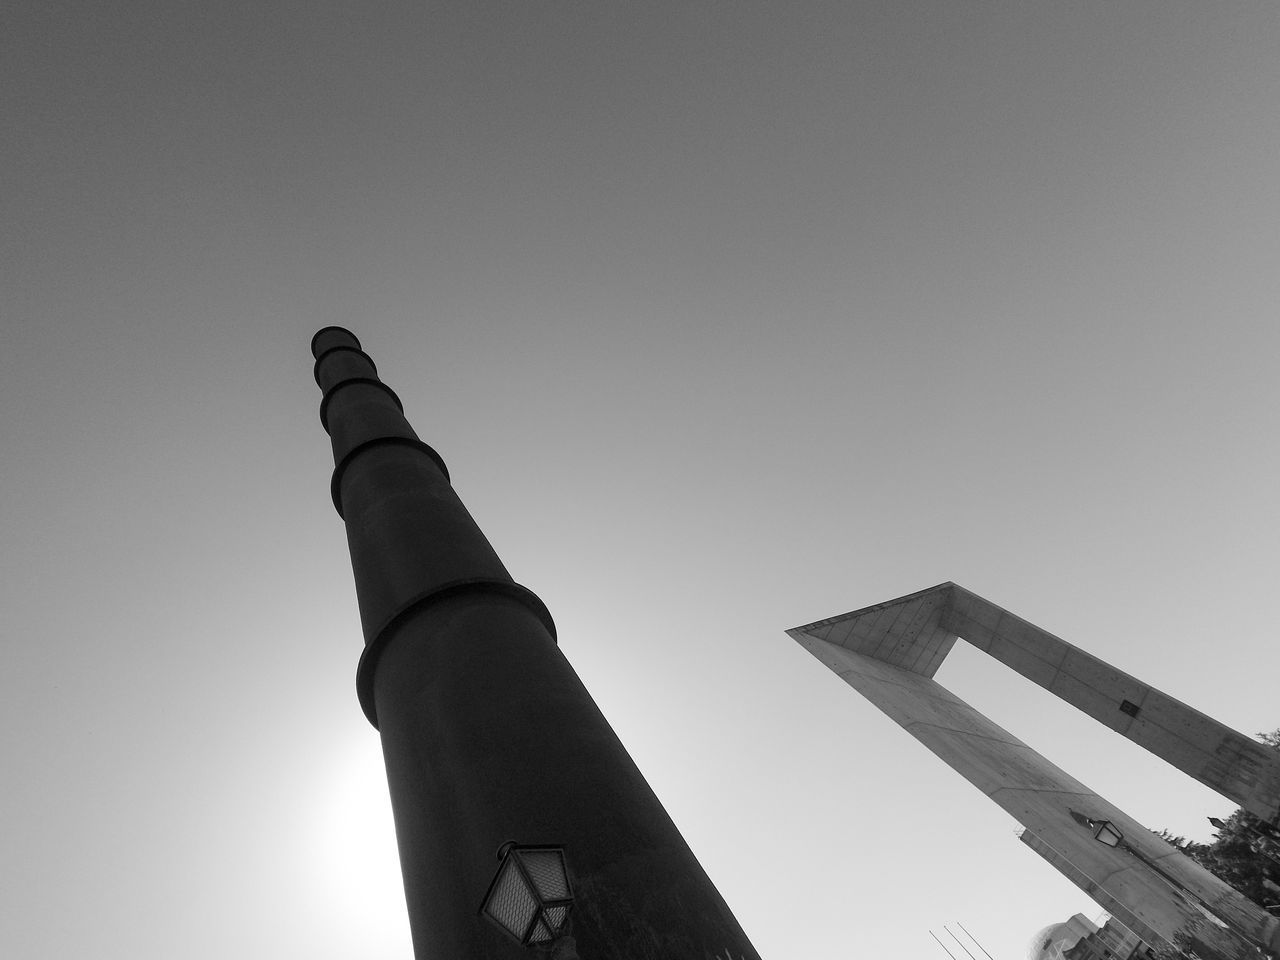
pixel 487 732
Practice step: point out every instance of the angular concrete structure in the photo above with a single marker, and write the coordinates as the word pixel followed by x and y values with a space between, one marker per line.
pixel 890 652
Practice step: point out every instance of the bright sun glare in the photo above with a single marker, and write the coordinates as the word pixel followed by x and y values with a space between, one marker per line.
pixel 357 870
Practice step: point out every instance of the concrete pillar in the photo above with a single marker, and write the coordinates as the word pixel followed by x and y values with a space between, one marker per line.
pixel 916 632
pixel 487 732
pixel 1236 766
pixel 1155 888
pixel 1118 909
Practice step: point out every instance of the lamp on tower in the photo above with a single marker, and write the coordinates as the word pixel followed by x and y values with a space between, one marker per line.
pixel 530 896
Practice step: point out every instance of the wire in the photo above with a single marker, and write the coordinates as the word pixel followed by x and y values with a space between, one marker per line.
pixel 943 945
pixel 975 940
pixel 962 946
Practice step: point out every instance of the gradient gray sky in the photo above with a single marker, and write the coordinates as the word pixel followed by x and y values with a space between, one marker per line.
pixel 727 317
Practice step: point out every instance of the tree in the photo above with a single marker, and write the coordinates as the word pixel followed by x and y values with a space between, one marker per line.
pixel 1240 855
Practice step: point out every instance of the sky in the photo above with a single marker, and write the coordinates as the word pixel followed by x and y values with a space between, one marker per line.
pixel 727 317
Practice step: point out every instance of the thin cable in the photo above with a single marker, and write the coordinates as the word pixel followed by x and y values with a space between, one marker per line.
pixel 943 945
pixel 962 946
pixel 975 940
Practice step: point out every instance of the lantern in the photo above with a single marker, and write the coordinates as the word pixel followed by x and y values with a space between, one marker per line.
pixel 530 896
pixel 1104 831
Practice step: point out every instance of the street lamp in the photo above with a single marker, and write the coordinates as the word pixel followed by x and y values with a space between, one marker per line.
pixel 530 897
pixel 1106 832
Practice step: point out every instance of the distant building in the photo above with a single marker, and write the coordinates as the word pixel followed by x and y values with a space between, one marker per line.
pixel 1079 938
pixel 1053 942
pixel 1111 942
pixel 890 652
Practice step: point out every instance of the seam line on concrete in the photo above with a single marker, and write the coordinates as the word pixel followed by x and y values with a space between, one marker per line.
pixel 1062 793
pixel 853 672
pixel 907 685
pixel 888 633
pixel 966 733
pixel 921 647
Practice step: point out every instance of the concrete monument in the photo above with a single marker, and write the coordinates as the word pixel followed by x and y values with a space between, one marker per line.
pixel 890 652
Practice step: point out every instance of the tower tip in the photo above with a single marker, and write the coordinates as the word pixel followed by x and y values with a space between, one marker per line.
pixel 325 336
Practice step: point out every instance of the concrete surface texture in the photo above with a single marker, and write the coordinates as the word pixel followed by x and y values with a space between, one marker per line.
pixel 1118 910
pixel 916 632
pixel 890 652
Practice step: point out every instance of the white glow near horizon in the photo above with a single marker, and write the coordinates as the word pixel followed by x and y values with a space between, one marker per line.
pixel 352 837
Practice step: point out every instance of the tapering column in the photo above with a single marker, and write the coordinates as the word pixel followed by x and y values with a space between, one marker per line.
pixel 487 732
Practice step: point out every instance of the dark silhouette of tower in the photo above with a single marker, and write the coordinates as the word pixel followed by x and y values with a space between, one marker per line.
pixel 487 732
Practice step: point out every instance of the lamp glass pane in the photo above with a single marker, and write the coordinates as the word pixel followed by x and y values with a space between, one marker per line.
pixel 511 903
pixel 556 917
pixel 1108 834
pixel 541 934
pixel 547 870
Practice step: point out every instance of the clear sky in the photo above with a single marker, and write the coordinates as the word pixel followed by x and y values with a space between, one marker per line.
pixel 727 317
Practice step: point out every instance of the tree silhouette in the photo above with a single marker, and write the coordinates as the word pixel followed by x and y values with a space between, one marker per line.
pixel 1245 853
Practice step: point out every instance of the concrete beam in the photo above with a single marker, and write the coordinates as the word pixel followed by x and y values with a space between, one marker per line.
pixel 915 633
